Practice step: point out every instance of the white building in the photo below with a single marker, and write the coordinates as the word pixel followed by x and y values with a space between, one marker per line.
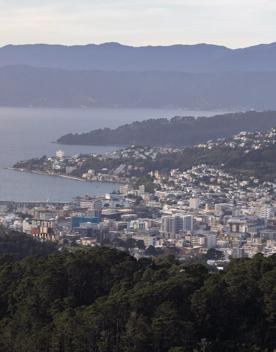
pixel 194 203
pixel 60 154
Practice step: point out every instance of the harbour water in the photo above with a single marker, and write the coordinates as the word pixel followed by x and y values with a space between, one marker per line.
pixel 26 133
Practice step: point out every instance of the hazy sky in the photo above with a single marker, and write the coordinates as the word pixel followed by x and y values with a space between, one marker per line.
pixel 234 23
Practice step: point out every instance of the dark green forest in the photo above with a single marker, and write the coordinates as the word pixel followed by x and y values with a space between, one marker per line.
pixel 178 131
pixel 15 246
pixel 103 300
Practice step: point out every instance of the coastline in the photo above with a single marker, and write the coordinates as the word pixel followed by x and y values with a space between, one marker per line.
pixel 72 178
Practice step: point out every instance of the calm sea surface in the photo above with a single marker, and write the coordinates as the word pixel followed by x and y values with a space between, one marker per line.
pixel 28 133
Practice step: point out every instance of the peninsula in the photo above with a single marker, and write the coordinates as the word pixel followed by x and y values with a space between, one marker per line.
pixel 178 131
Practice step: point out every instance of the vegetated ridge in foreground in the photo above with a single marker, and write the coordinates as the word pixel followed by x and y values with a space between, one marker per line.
pixel 178 131
pixel 104 300
pixel 15 246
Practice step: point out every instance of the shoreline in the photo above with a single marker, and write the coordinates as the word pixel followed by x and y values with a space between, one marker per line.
pixel 72 178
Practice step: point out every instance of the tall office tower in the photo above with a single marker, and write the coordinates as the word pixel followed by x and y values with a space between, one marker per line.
pixel 96 208
pixel 194 203
pixel 174 224
pixel 188 223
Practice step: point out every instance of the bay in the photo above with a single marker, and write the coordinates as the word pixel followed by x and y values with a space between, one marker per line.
pixel 27 133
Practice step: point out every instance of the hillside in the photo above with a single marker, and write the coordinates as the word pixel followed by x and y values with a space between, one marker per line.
pixel 113 75
pixel 245 155
pixel 16 245
pixel 117 57
pixel 177 131
pixel 103 300
pixel 23 86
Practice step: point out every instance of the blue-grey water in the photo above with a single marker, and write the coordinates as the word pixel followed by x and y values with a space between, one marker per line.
pixel 26 133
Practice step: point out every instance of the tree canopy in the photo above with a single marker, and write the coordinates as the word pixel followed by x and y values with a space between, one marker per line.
pixel 103 300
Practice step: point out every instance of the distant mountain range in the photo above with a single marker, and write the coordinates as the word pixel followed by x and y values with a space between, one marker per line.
pixel 178 131
pixel 113 75
pixel 116 57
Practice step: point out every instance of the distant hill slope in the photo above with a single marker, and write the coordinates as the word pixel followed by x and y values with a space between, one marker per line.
pixel 117 57
pixel 177 131
pixel 45 87
pixel 199 76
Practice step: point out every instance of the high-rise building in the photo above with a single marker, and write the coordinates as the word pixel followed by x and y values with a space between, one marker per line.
pixel 266 212
pixel 142 189
pixel 194 203
pixel 175 224
pixel 96 208
pixel 237 225
pixel 168 225
pixel 223 209
pixel 188 223
pixel 211 240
